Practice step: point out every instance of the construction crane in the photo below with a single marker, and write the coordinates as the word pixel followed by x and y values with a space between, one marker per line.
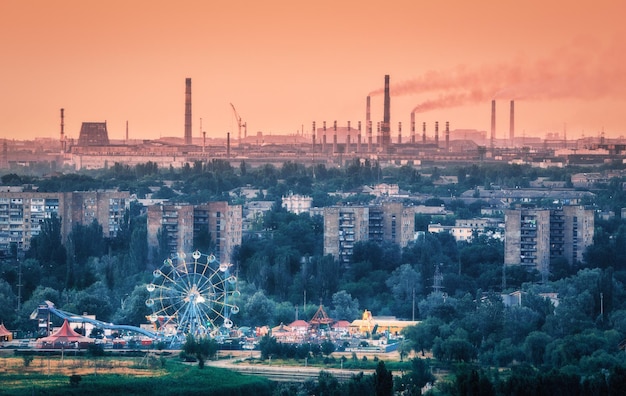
pixel 240 124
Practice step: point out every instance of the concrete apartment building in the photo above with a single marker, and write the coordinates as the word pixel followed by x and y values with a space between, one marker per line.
pixel 535 236
pixel 345 225
pixel 23 213
pixel 182 222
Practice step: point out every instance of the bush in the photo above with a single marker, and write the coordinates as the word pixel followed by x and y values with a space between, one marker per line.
pixel 75 379
pixel 27 360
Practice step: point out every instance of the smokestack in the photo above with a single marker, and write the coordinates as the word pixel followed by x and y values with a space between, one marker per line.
pixel 188 111
pixel 335 136
pixel 493 122
pixel 400 132
pixel 313 138
pixel 358 140
pixel 324 138
pixel 227 144
pixel 378 139
pixel 126 131
pixel 413 127
pixel 369 136
pixel 203 140
pixel 423 132
pixel 437 134
pixel 368 116
pixel 347 150
pixel 447 136
pixel 62 131
pixel 385 127
pixel 512 124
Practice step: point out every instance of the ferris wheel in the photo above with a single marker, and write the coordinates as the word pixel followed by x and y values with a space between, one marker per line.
pixel 192 296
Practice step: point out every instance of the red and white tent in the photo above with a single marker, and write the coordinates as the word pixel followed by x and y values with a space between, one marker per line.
pixel 65 337
pixel 5 335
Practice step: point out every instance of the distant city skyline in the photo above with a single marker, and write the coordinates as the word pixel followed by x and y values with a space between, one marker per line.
pixel 285 64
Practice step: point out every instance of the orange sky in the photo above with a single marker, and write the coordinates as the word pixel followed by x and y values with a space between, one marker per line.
pixel 286 63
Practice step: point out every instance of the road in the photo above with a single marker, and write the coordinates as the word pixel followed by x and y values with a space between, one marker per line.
pixel 279 372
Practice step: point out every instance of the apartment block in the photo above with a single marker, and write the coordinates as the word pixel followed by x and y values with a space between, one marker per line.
pixel 533 237
pixel 346 225
pixel 23 213
pixel 181 223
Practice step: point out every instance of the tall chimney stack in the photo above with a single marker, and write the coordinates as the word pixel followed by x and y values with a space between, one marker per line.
pixel 423 132
pixel 188 111
pixel 413 127
pixel 126 131
pixel 313 136
pixel 493 122
pixel 227 144
pixel 334 136
pixel 400 132
pixel 369 136
pixel 62 131
pixel 437 134
pixel 385 127
pixel 368 114
pixel 512 124
pixel 358 140
pixel 447 136
pixel 324 138
pixel 347 150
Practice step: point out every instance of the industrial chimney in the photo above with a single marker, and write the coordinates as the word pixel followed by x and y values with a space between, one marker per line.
pixel 334 136
pixel 512 124
pixel 324 138
pixel 368 114
pixel 437 134
pixel 412 127
pixel 369 136
pixel 423 132
pixel 227 144
pixel 400 132
pixel 313 137
pixel 493 122
pixel 62 131
pixel 447 136
pixel 385 127
pixel 358 139
pixel 348 138
pixel 188 111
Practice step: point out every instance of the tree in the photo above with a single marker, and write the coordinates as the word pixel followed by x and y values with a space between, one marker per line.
pixel 404 282
pixel 47 248
pixel 327 384
pixel 8 301
pixel 202 348
pixel 259 309
pixel 328 347
pixel 412 382
pixel 383 380
pixel 345 307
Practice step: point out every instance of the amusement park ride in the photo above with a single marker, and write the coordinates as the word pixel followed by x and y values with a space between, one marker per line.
pixel 192 294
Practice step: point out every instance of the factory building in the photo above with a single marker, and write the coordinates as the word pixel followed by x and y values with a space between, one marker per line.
pixel 533 237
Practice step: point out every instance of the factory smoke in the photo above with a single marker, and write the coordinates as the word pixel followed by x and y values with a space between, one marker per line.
pixel 577 72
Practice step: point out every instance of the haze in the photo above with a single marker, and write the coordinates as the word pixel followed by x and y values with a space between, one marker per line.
pixel 284 64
